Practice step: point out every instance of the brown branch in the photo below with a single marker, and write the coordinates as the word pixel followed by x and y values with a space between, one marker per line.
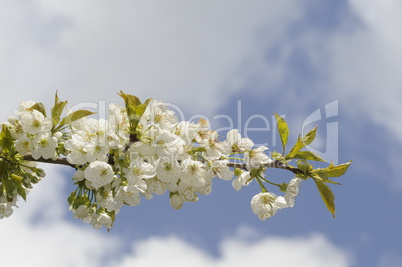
pixel 133 139
pixel 63 161
pixel 275 164
pixel 60 161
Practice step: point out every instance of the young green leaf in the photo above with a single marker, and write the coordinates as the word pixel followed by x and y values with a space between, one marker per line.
pixel 57 109
pixel 322 177
pixel 333 170
pixel 21 190
pixel 338 170
pixel 139 111
pixel 130 101
pixel 307 155
pixel 135 109
pixel 327 196
pixel 39 107
pixel 6 140
pixel 283 131
pixel 302 142
pixel 76 115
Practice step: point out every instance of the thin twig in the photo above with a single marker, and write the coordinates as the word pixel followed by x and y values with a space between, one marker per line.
pixel 275 164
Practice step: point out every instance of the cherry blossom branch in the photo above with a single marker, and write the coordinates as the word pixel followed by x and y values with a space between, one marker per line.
pixel 181 158
pixel 63 161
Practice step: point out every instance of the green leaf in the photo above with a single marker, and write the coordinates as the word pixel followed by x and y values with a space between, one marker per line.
pixel 6 140
pixel 283 131
pixel 76 115
pixel 338 170
pixel 57 109
pixel 130 101
pixel 327 196
pixel 135 109
pixel 39 107
pixel 302 142
pixel 322 177
pixel 307 155
pixel 21 190
pixel 333 170
pixel 71 198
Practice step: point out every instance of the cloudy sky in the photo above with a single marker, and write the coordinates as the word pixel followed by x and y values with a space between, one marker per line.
pixel 331 63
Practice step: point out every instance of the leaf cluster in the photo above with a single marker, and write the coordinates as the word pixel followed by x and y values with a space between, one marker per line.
pixel 305 169
pixel 15 176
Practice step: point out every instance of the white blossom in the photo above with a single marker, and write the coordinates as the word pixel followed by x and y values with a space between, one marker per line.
pixel 44 145
pixel 241 180
pixel 265 205
pixel 221 169
pixel 236 143
pixel 156 186
pixel 75 145
pixel 169 172
pixel 95 151
pixel 158 114
pixel 25 105
pixel 256 157
pixel 5 209
pixel 187 131
pixel 99 173
pixel 130 197
pixel 206 189
pixel 23 145
pixel 193 173
pixel 33 122
pixel 292 191
pixel 83 213
pixel 101 219
pixel 6 206
pixel 188 193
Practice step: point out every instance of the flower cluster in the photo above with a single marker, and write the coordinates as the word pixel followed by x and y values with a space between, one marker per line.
pixel 32 132
pixel 143 150
pixel 181 158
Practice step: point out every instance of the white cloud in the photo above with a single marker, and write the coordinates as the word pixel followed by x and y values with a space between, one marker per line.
pixel 179 51
pixel 367 60
pixel 313 250
pixel 175 51
pixel 38 234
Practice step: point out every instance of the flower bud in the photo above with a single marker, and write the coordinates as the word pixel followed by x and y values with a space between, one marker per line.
pixel 237 172
pixel 176 201
pixel 12 119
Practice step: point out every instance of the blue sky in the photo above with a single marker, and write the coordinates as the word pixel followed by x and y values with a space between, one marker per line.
pixel 289 57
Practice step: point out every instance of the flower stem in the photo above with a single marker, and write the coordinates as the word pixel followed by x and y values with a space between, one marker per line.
pixel 263 189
